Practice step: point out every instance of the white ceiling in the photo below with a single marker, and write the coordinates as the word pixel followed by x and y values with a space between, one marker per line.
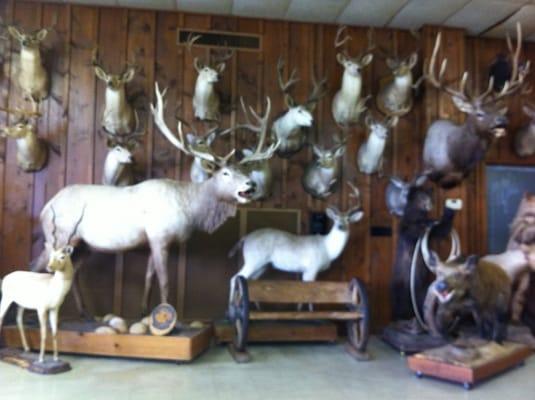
pixel 479 17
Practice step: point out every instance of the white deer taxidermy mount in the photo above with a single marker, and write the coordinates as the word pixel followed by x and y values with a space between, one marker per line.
pixel 348 104
pixel 119 162
pixel 289 128
pixel 370 155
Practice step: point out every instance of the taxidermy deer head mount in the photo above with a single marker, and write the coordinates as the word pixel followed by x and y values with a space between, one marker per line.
pixel 289 127
pixel 119 117
pixel 525 136
pixel 397 193
pixel 322 174
pixel 395 97
pixel 348 105
pixel 29 73
pixel 370 154
pixel 32 151
pixel 206 100
pixel 119 162
pixel 451 151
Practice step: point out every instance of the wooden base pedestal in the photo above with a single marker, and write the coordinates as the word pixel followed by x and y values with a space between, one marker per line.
pixel 79 338
pixel 29 361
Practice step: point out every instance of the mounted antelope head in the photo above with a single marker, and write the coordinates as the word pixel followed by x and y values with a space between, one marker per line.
pixel 525 136
pixel 29 73
pixel 370 154
pixel 397 193
pixel 32 151
pixel 119 117
pixel 321 175
pixel 289 127
pixel 451 151
pixel 206 100
pixel 395 97
pixel 347 103
pixel 119 162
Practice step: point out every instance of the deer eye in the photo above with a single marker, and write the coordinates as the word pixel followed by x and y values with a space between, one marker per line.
pixel 226 173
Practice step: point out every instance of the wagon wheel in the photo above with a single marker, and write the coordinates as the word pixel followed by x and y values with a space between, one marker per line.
pixel 239 313
pixel 358 330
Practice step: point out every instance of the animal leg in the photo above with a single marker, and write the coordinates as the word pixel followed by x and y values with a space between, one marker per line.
pixel 159 255
pixel 309 276
pixel 148 285
pixel 42 325
pixel 519 297
pixel 80 306
pixel 20 325
pixel 247 271
pixel 54 329
pixel 4 306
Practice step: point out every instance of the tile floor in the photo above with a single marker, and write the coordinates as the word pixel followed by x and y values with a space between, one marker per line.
pixel 279 372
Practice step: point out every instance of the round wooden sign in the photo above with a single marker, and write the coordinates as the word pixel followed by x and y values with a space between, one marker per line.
pixel 162 319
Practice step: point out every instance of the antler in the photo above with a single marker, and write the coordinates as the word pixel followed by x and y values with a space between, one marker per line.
pixel 355 193
pixel 292 80
pixel 189 43
pixel 338 42
pixel 24 113
pixel 76 225
pixel 260 128
pixel 319 90
pixel 95 62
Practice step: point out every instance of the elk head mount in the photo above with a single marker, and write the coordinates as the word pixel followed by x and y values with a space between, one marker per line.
pixel 119 117
pixel 451 150
pixel 32 151
pixel 206 101
pixel 525 136
pixel 395 97
pixel 322 174
pixel 119 162
pixel 370 154
pixel 290 128
pixel 29 73
pixel 348 105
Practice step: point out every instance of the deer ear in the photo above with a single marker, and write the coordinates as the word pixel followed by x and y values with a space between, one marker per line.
pixel 420 180
pixel 341 58
pixel 111 142
pixel 368 120
pixel 211 137
pixel 392 121
pixel 99 72
pixel 355 216
pixel 220 67
pixel 332 212
pixel 190 137
pixel 470 265
pixel 41 34
pixel 462 105
pixel 366 60
pixel 340 151
pixel 397 182
pixel 14 32
pixel 68 250
pixel 413 59
pixel 317 151
pixel 247 152
pixel 290 103
pixel 129 74
pixel 391 63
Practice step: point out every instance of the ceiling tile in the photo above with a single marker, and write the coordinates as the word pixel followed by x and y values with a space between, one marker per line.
pixel 370 12
pixel 315 10
pixel 420 12
pixel 275 9
pixel 526 16
pixel 205 6
pixel 148 4
pixel 478 15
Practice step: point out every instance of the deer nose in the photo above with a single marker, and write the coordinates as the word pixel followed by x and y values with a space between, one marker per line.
pixel 441 286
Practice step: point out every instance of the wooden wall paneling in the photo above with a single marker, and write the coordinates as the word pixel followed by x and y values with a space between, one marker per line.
pixel 141 43
pixel 18 192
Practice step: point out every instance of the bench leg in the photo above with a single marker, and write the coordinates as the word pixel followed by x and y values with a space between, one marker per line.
pixel 357 354
pixel 240 356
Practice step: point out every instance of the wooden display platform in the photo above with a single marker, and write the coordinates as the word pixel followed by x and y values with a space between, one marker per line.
pixel 29 361
pixel 79 338
pixel 468 365
pixel 285 331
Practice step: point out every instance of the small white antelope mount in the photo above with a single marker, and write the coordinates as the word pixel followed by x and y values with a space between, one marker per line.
pixel 370 155
pixel 206 101
pixel 288 129
pixel 32 151
pixel 119 117
pixel 119 162
pixel 525 136
pixel 305 254
pixel 41 292
pixel 348 105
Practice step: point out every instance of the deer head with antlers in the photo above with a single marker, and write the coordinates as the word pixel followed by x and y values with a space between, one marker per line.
pixel 29 73
pixel 119 117
pixel 289 127
pixel 32 151
pixel 206 101
pixel 348 105
pixel 451 151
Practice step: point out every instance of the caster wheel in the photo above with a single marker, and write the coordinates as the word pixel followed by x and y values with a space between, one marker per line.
pixel 419 374
pixel 468 386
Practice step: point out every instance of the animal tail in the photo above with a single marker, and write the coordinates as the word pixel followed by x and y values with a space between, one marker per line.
pixel 236 247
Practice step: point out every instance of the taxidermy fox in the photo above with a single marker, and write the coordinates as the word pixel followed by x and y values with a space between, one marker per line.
pixel 481 286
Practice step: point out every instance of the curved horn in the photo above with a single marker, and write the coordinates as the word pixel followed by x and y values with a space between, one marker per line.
pixel 455 250
pixel 425 249
pixel 76 226
pixel 54 227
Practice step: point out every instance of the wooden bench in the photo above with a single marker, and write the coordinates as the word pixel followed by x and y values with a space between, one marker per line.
pixel 351 295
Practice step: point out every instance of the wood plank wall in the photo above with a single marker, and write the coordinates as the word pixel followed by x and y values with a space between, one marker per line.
pixel 72 113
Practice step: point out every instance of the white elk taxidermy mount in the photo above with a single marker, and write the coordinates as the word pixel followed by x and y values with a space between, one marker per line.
pixel 395 98
pixel 158 212
pixel 29 73
pixel 206 101
pixel 370 157
pixel 525 136
pixel 119 162
pixel 118 117
pixel 32 151
pixel 42 292
pixel 289 127
pixel 348 104
pixel 452 150
pixel 305 254
pixel 322 174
